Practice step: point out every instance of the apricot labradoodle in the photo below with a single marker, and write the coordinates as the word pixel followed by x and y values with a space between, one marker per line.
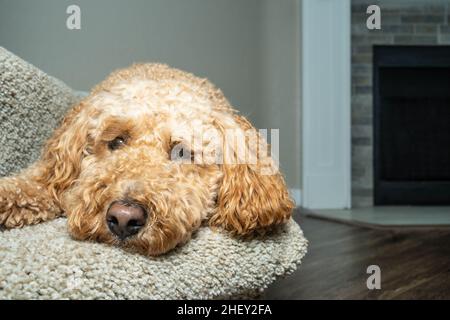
pixel 127 168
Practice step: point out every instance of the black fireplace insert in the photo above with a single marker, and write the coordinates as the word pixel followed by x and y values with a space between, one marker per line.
pixel 411 91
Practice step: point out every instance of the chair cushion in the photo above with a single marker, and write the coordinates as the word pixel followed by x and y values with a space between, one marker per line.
pixel 43 262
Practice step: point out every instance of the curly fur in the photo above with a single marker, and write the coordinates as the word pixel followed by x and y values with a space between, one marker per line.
pixel 154 108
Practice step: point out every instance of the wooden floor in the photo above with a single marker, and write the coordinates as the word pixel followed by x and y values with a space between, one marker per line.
pixel 415 264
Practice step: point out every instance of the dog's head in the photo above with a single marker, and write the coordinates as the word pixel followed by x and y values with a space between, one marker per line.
pixel 143 163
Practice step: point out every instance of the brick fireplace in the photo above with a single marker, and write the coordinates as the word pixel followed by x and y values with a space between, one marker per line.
pixel 410 22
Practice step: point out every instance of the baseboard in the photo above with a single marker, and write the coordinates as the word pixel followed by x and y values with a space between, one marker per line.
pixel 296 195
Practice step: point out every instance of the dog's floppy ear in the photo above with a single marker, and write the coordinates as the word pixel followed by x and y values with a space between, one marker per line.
pixel 62 155
pixel 251 196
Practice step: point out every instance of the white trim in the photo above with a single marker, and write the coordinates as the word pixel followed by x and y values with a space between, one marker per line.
pixel 296 194
pixel 326 89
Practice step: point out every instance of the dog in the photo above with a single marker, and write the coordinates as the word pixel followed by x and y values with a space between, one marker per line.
pixel 124 170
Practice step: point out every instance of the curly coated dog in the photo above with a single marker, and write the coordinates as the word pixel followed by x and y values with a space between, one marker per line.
pixel 144 160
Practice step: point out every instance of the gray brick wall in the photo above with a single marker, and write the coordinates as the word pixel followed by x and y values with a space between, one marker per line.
pixel 414 22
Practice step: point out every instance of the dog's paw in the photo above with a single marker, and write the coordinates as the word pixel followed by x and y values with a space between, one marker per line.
pixel 17 217
pixel 4 215
pixel 6 211
pixel 19 208
pixel 6 205
pixel 13 214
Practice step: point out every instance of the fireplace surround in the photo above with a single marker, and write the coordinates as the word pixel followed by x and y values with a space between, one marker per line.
pixel 408 22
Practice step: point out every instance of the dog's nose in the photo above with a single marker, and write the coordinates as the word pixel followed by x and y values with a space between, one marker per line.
pixel 125 219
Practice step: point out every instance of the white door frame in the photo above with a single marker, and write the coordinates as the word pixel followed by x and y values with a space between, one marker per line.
pixel 326 93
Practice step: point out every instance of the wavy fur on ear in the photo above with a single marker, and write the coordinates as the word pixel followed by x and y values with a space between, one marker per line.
pixel 33 195
pixel 249 200
pixel 62 155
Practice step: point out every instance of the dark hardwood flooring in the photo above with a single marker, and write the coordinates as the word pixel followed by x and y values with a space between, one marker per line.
pixel 415 264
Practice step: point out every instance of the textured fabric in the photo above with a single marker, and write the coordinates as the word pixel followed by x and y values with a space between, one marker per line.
pixel 31 105
pixel 42 261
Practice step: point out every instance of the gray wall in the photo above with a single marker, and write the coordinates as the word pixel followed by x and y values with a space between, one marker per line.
pixel 250 49
pixel 280 81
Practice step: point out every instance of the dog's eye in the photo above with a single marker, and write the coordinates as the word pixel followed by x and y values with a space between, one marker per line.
pixel 116 143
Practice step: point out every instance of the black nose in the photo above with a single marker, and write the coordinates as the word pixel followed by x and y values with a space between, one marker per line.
pixel 125 219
